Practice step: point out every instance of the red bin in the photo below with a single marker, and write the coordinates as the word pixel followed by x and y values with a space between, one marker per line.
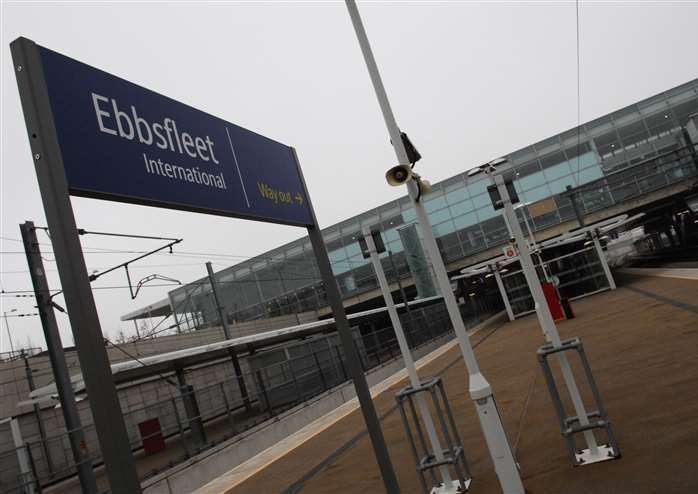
pixel 553 300
pixel 151 435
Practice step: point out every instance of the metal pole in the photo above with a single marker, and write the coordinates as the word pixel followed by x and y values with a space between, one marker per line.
pixel 54 347
pixel 402 289
pixel 37 412
pixel 544 317
pixel 89 341
pixel 575 207
pixel 226 331
pixel 503 292
pixel 9 335
pixel 22 450
pixel 602 259
pixel 351 355
pixel 480 391
pixel 436 448
pixel 219 307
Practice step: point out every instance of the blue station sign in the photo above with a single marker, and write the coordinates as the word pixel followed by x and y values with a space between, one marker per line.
pixel 122 142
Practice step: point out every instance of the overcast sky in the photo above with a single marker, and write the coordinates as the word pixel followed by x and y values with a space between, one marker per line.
pixel 469 81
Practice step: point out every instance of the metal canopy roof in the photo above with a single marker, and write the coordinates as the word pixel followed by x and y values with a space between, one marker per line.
pixel 130 370
pixel 158 309
pixel 577 235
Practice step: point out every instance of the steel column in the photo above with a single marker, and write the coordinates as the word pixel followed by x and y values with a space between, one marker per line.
pixel 480 390
pixel 503 292
pixel 351 355
pixel 89 341
pixel 66 395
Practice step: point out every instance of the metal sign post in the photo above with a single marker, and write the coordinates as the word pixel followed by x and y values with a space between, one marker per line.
pixel 480 390
pixel 55 351
pixel 449 485
pixel 89 341
pixel 96 135
pixel 363 394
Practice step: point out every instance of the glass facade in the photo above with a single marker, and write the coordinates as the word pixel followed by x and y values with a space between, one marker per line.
pixel 606 154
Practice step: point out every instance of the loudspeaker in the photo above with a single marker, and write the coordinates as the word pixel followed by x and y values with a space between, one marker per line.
pixel 398 175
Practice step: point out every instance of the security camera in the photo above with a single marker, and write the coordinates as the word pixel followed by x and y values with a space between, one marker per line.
pixel 398 175
pixel 512 240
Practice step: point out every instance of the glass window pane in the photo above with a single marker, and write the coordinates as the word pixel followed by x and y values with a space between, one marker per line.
pixel 456 196
pixel 536 194
pixel 531 181
pixel 557 171
pixel 465 220
pixel 552 159
pixel 558 186
pixel 479 187
pixel 337 255
pixel 481 201
pixel 353 249
pixel 390 235
pixel 439 216
pixel 434 204
pixel 409 215
pixel 589 174
pixel 472 238
pixel 443 228
pixel 462 207
pixel 486 213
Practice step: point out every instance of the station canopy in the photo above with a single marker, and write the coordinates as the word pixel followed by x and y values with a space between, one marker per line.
pixel 158 309
pixel 573 236
pixel 155 365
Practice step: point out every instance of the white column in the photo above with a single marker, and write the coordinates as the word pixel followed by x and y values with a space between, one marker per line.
pixel 407 358
pixel 544 317
pixel 22 456
pixel 480 391
pixel 603 260
pixel 503 292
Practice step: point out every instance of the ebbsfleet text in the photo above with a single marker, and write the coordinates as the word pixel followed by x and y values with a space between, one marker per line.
pixel 164 135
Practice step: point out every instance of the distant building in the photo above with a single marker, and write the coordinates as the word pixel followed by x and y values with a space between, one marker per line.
pixel 286 281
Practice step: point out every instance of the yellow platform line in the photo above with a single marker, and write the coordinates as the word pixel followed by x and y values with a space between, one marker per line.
pixel 262 460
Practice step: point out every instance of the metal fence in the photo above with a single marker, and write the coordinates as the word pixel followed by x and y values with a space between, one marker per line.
pixel 645 177
pixel 580 274
pixel 189 420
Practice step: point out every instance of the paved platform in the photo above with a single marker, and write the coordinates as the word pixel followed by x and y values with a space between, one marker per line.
pixel 642 343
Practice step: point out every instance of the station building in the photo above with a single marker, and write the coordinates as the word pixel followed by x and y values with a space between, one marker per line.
pixel 641 158
pixel 641 151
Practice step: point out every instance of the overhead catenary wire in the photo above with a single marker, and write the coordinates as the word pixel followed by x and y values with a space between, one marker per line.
pixel 579 97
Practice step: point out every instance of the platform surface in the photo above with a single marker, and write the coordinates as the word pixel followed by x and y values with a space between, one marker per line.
pixel 642 344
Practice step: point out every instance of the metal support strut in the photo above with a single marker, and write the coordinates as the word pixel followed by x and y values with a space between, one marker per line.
pixel 453 455
pixel 571 425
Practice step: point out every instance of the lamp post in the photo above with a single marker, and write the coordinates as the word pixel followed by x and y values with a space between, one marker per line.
pixel 541 306
pixel 480 390
pixel 9 334
pixel 531 239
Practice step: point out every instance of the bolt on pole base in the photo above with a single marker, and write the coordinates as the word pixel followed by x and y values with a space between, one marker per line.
pixel 605 452
pixel 573 425
pixel 454 488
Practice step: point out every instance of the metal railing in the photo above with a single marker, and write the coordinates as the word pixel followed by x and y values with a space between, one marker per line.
pixel 639 179
pixel 221 410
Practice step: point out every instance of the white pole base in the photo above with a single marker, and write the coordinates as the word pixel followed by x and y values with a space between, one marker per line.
pixel 453 488
pixel 605 452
